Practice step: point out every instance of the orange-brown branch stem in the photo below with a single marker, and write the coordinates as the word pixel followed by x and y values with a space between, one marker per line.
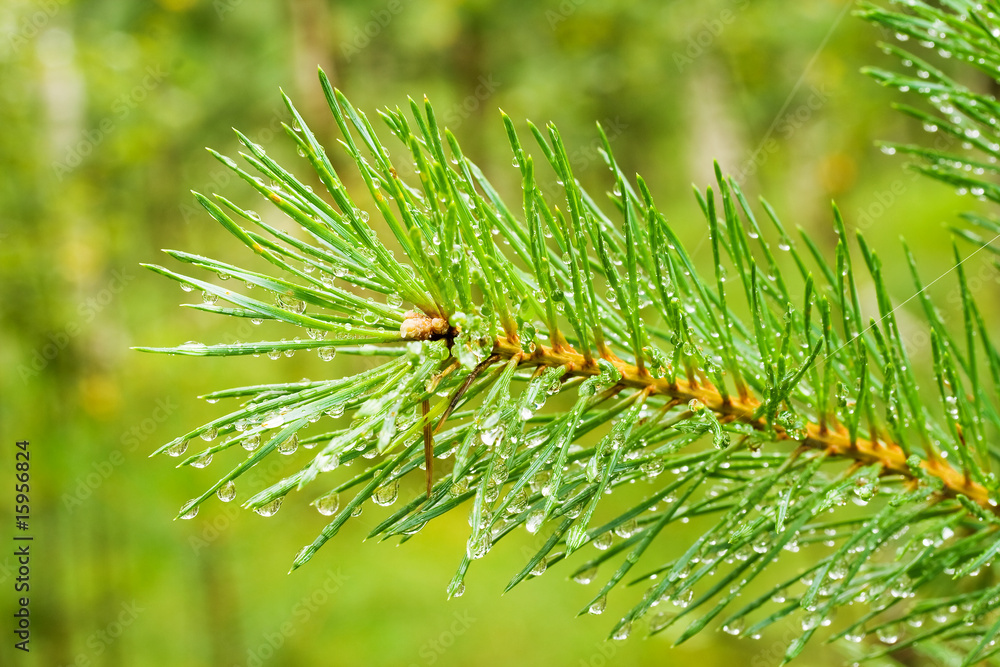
pixel 888 455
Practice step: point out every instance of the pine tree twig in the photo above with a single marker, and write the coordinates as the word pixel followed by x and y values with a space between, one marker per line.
pixel 888 455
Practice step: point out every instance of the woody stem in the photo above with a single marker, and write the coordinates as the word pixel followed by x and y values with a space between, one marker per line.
pixel 890 456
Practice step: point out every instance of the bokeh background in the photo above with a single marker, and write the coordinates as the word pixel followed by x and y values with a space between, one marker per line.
pixel 105 108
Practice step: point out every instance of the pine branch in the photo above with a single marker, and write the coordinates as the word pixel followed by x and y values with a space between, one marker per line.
pixel 769 393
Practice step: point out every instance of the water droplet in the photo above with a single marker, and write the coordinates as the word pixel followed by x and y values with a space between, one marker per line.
pixel 327 353
pixel 192 512
pixel 289 446
pixel 328 504
pixel 623 632
pixel 386 495
pixel 178 448
pixel 888 634
pixel 598 606
pixel 652 468
pixel 210 435
pixel 539 568
pixel 202 461
pixel 603 541
pixel 459 590
pixel 534 521
pixel 290 303
pixel 626 529
pixel 491 435
pixel 394 300
pixel 902 588
pixel 251 442
pixel 269 509
pixel 226 492
pixel 585 576
pixel 478 546
pixel 856 635
pixel 735 627
pixel 329 463
pixel 660 621
pixel 209 297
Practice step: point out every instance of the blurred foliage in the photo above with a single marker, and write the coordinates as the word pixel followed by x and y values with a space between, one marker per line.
pixel 106 107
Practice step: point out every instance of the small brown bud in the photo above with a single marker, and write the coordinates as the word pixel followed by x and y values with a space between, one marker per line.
pixel 419 326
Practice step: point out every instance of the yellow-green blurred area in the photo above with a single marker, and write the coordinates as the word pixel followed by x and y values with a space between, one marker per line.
pixel 106 107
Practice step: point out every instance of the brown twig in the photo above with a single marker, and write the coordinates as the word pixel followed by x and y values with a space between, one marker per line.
pixel 890 456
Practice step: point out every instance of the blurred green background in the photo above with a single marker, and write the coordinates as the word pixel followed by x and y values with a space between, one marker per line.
pixel 106 107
